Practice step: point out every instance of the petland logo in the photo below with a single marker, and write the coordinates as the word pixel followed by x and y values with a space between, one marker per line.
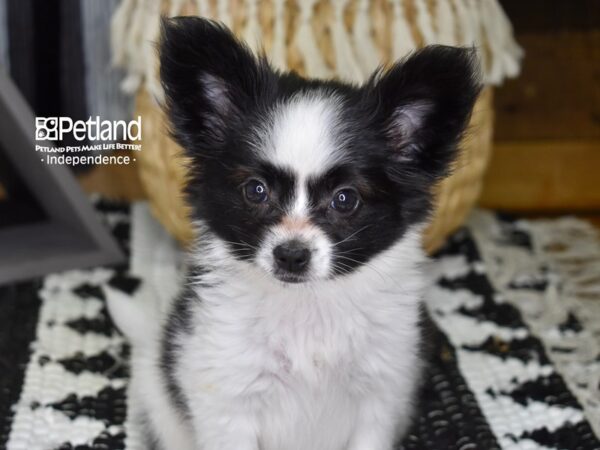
pixel 93 129
pixel 99 136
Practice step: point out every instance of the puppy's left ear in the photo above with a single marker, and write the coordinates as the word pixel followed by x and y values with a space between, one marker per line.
pixel 423 104
pixel 211 81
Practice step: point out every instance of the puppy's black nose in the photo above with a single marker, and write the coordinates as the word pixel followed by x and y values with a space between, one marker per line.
pixel 292 256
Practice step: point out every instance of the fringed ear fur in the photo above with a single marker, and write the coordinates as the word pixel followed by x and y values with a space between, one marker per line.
pixel 210 80
pixel 423 105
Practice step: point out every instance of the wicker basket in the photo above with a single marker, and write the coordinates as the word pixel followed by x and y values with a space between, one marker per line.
pixel 162 167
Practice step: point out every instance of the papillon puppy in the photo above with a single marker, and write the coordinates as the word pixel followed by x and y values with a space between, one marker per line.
pixel 298 324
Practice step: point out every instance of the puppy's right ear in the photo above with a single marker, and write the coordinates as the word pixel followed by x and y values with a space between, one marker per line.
pixel 210 81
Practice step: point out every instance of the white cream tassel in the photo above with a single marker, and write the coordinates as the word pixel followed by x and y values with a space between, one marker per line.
pixel 202 8
pixel 366 51
pixel 474 19
pixel 476 26
pixel 402 39
pixel 445 23
pixel 480 23
pixel 314 62
pixel 512 52
pixel 252 32
pixel 150 36
pixel 223 13
pixel 345 62
pixel 494 39
pixel 470 29
pixel 424 22
pixel 465 25
pixel 133 56
pixel 120 28
pixel 278 49
pixel 176 8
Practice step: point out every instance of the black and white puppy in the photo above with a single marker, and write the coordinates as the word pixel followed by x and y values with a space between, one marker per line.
pixel 298 328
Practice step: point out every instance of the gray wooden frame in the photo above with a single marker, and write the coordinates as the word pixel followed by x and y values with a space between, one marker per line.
pixel 74 236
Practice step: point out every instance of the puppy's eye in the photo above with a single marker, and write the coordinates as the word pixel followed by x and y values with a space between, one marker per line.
pixel 345 200
pixel 256 192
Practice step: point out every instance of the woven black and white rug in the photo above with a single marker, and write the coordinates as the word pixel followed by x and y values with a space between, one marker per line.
pixel 516 362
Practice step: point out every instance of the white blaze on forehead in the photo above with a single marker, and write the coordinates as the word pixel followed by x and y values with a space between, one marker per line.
pixel 299 208
pixel 302 135
pixel 302 138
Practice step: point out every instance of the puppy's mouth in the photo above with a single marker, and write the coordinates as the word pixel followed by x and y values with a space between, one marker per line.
pixel 292 278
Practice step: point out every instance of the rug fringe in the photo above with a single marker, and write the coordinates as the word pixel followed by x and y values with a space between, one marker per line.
pixel 573 247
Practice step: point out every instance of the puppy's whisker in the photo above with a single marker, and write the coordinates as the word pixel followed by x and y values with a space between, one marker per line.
pixel 242 244
pixel 342 268
pixel 370 266
pixel 354 251
pixel 360 230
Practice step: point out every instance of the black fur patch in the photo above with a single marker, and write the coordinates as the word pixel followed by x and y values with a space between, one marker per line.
pixel 178 324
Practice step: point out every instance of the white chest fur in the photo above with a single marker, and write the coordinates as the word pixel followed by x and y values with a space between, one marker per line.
pixel 302 367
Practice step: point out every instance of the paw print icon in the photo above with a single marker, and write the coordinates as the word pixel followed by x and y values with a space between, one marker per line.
pixel 46 128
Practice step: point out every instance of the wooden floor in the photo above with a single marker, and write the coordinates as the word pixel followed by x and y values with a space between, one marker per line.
pixel 544 175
